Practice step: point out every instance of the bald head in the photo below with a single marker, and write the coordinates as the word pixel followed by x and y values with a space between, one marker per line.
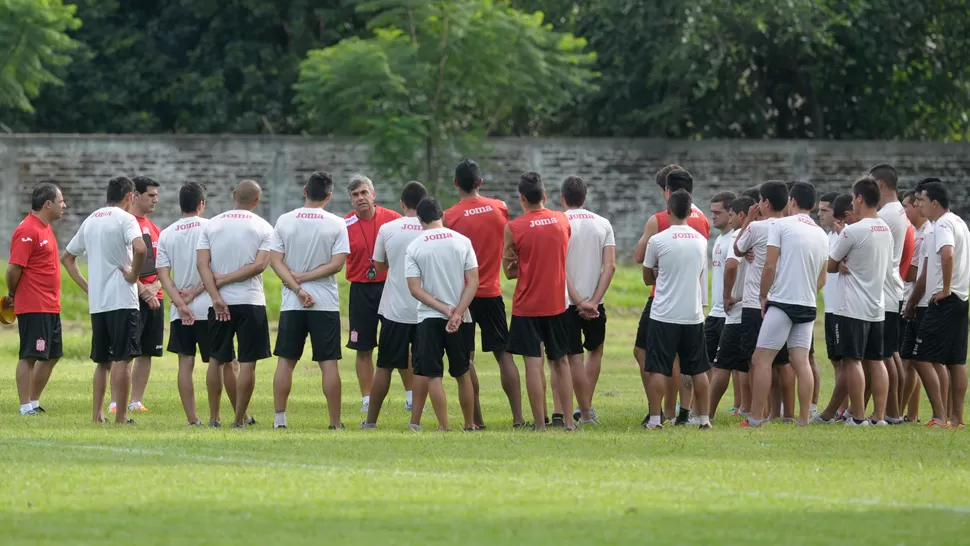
pixel 247 194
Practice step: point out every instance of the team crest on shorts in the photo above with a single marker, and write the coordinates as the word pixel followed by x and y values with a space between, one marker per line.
pixel 40 345
pixel 353 336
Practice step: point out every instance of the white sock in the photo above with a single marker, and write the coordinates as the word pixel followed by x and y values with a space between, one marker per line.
pixel 410 396
pixel 35 404
pixel 24 408
pixel 367 400
pixel 134 405
pixel 705 420
pixel 654 420
pixel 113 405
pixel 280 420
pixel 813 408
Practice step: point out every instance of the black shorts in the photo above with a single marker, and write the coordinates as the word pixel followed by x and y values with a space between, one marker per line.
pixel 151 329
pixel 584 334
pixel 527 335
pixel 891 334
pixel 365 298
pixel 40 336
pixel 489 315
pixel 859 339
pixel 910 333
pixel 751 321
pixel 942 336
pixel 667 341
pixel 397 342
pixel 183 340
pixel 713 327
pixel 323 327
pixel 433 342
pixel 831 335
pixel 114 336
pixel 644 327
pixel 728 355
pixel 248 324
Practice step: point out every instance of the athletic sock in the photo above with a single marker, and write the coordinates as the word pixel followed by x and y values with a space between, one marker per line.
pixel 410 397
pixel 134 404
pixel 705 420
pixel 280 420
pixel 684 414
pixel 654 420
pixel 34 404
pixel 24 408
pixel 813 408
pixel 367 400
pixel 113 405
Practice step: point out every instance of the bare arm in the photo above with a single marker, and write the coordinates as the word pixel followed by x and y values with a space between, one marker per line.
pixel 247 271
pixel 649 230
pixel 380 267
pixel 606 275
pixel 768 273
pixel 919 289
pixel 69 261
pixel 337 263
pixel 510 259
pixel 822 277
pixel 832 266
pixel 422 295
pixel 911 274
pixel 649 277
pixel 730 277
pixel 164 277
pixel 946 261
pixel 14 272
pixel 139 252
pixel 283 272
pixel 573 293
pixel 205 272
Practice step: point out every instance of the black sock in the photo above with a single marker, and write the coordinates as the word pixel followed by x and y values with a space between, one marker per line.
pixel 684 414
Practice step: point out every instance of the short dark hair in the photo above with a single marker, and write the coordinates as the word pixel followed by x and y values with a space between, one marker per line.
pixel 886 173
pixel 118 188
pixel 679 179
pixel 828 197
pixel 919 185
pixel 804 195
pixel 574 191
pixel 868 188
pixel 742 204
pixel 142 183
pixel 753 193
pixel 41 194
pixel 319 186
pixel 936 191
pixel 909 194
pixel 725 198
pixel 900 194
pixel 412 194
pixel 429 210
pixel 191 195
pixel 776 193
pixel 530 187
pixel 467 175
pixel 841 205
pixel 662 174
pixel 679 203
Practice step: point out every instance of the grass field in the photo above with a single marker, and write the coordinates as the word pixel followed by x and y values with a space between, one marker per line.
pixel 64 480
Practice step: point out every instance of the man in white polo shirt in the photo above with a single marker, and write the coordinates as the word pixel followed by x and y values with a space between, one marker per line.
pixel 233 253
pixel 309 248
pixel 917 299
pixel 112 241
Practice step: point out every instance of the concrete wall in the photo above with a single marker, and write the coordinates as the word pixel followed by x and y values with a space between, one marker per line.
pixel 620 173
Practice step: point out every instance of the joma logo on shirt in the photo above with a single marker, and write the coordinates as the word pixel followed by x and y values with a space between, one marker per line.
pixel 185 227
pixel 879 228
pixel 236 216
pixel 479 210
pixel 686 236
pixel 102 214
pixel 582 216
pixel 411 227
pixel 438 236
pixel 310 216
pixel 544 222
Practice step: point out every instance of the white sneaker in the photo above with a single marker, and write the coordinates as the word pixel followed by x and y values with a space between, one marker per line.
pixel 414 428
pixel 694 421
pixel 880 424
pixel 817 419
pixel 851 423
pixel 582 422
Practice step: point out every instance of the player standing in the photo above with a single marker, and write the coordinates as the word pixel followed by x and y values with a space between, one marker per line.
pixel 189 328
pixel 398 309
pixel 366 283
pixel 536 245
pixel 442 274
pixel 483 221
pixel 676 263
pixel 308 249
pixel 113 243
pixel 34 290
pixel 233 252
pixel 915 308
pixel 723 249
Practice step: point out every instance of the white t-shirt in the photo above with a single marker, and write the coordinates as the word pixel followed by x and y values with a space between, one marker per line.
pixel 755 237
pixel 723 250
pixel 867 248
pixel 924 254
pixel 176 250
pixel 737 292
pixel 949 230
pixel 391 246
pixel 440 257
pixel 894 215
pixel 803 253
pixel 831 291
pixel 681 254
pixel 233 239
pixel 918 237
pixel 590 234
pixel 309 238
pixel 106 237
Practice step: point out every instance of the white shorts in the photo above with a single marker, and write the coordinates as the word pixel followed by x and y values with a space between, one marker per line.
pixel 777 330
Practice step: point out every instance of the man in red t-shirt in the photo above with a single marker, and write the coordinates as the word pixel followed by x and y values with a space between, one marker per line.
pixel 536 245
pixel 657 223
pixel 483 221
pixel 366 283
pixel 34 286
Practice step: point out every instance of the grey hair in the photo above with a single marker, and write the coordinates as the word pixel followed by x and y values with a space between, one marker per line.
pixel 357 180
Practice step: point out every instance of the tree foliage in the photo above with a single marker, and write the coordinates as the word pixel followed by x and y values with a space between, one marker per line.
pixel 438 76
pixel 33 41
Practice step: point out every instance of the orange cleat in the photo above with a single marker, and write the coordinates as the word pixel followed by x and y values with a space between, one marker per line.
pixel 140 408
pixel 747 424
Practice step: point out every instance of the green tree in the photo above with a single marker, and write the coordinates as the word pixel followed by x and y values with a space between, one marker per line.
pixel 33 40
pixel 438 76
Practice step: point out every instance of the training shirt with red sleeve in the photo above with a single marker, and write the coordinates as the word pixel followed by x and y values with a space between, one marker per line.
pixel 363 235
pixel 150 234
pixel 483 221
pixel 696 220
pixel 909 248
pixel 541 244
pixel 34 248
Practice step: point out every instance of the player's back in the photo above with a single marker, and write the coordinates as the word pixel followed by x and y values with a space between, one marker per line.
pixel 695 220
pixel 542 243
pixel 233 239
pixel 755 239
pixel 105 237
pixel 482 220
pixel 590 234
pixel 870 254
pixel 803 252
pixel 309 238
pixel 681 256
pixel 950 229
pixel 440 257
pixel 894 215
pixel 391 246
pixel 176 250
pixel 830 293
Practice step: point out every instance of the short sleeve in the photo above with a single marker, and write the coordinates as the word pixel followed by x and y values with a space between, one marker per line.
pixel 610 236
pixel 76 246
pixel 471 260
pixel 651 257
pixel 132 230
pixel 380 253
pixel 746 240
pixel 266 236
pixel 942 235
pixel 842 245
pixel 411 268
pixel 161 255
pixel 20 248
pixel 341 244
pixel 276 241
pixel 203 243
pixel 774 234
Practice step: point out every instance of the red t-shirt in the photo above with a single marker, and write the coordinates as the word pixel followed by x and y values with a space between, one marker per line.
pixel 150 234
pixel 34 248
pixel 483 221
pixel 363 235
pixel 909 247
pixel 696 220
pixel 541 241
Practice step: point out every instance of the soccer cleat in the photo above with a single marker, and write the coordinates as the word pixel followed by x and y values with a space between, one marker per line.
pixel 705 426
pixel 647 420
pixel 882 423
pixel 29 413
pixel 196 424
pixel 569 429
pixel 908 420
pixel 414 428
pixel 787 421
pixel 138 407
pixel 279 426
pixel 735 412
pixel 338 427
pixel 957 427
pixel 648 426
pixel 365 425
pixel 853 423
pixel 694 421
pixel 215 424
pixel 936 423
pixel 473 428
pixel 236 425
pixel 130 422
pixel 39 409
pixel 519 426
pixel 819 419
pixel 250 420
pixel 894 420
pixel 583 422
pixel 558 420
pixel 576 415
pixel 747 424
